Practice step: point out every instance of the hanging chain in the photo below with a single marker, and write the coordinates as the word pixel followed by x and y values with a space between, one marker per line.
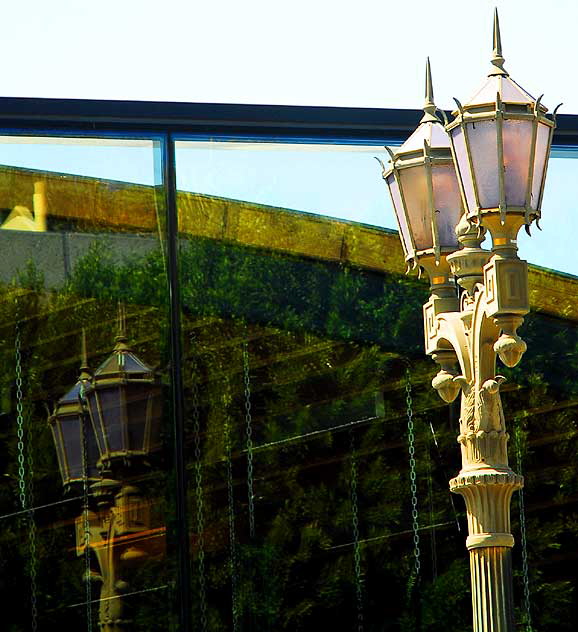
pixel 356 544
pixel 32 537
pixel 200 503
pixel 412 477
pixel 525 573
pixel 20 420
pixel 26 483
pixel 85 518
pixel 232 537
pixel 249 436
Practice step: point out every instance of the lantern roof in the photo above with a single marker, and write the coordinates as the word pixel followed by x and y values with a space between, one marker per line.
pixel 74 394
pixel 431 129
pixel 506 87
pixel 499 81
pixel 123 360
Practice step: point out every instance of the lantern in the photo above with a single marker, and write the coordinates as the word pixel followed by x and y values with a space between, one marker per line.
pixel 501 140
pixel 72 432
pixel 124 403
pixel 424 188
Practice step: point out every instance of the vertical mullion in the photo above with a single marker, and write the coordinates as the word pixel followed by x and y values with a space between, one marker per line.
pixel 181 527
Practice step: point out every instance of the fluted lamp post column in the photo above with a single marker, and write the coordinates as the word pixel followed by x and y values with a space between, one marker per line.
pixel 499 142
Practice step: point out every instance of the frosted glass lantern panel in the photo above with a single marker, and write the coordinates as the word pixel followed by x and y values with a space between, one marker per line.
pixel 483 139
pixel 517 142
pixel 415 192
pixel 448 204
pixel 463 165
pixel 540 161
pixel 399 213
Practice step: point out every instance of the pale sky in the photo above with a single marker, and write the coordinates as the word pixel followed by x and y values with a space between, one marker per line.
pixel 366 53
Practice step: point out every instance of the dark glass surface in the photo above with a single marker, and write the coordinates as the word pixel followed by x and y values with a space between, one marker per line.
pixel 72 436
pixel 112 411
pixel 137 404
pixel 81 231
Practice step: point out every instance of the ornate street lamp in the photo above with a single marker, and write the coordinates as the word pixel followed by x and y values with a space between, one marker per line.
pixel 124 403
pixel 500 143
pixel 72 432
pixel 107 421
pixel 425 191
pixel 424 188
pixel 501 140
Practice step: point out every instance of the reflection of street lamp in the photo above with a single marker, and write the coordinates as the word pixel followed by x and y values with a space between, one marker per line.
pixel 124 403
pixel 74 439
pixel 105 423
pixel 500 142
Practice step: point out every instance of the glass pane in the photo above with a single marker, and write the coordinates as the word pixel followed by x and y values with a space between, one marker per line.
pixel 554 247
pixel 542 139
pixel 400 213
pixel 95 422
pixel 448 204
pixel 415 189
pixel 339 181
pixel 464 168
pixel 295 396
pixel 298 332
pixel 111 406
pixel 482 137
pixel 81 229
pixel 137 401
pixel 71 434
pixel 517 139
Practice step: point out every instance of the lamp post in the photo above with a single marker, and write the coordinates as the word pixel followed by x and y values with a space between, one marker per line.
pixel 105 425
pixel 499 142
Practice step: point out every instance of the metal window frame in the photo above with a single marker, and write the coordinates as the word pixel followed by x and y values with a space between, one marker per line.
pixel 281 121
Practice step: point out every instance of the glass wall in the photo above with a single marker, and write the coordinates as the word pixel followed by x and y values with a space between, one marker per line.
pixel 83 242
pixel 316 454
pixel 303 366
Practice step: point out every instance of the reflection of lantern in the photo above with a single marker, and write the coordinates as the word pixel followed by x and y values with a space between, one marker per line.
pixel 424 188
pixel 72 432
pixel 124 403
pixel 501 140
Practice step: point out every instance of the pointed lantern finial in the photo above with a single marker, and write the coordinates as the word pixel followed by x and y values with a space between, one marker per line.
pixel 84 368
pixel 429 107
pixel 121 339
pixel 497 60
